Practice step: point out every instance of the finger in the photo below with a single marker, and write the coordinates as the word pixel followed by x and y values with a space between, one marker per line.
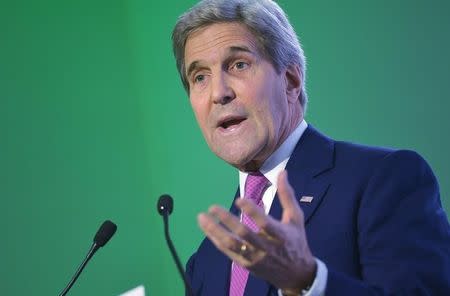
pixel 265 223
pixel 291 209
pixel 235 226
pixel 222 238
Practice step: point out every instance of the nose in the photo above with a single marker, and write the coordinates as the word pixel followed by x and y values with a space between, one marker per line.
pixel 221 90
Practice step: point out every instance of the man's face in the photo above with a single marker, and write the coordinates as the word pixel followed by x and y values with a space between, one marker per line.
pixel 244 108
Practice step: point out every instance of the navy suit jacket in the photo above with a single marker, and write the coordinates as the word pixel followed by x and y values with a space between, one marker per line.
pixel 376 221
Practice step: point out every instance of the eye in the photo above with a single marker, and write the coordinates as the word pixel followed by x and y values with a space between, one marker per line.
pixel 199 78
pixel 240 65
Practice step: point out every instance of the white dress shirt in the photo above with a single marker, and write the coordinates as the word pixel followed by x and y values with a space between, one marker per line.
pixel 270 169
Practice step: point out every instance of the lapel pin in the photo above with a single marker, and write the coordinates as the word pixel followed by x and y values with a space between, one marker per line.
pixel 306 198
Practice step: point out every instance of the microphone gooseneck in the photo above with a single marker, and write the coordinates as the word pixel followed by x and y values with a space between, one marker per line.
pixel 103 235
pixel 165 208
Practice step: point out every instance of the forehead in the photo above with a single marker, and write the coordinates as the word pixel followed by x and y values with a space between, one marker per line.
pixel 217 38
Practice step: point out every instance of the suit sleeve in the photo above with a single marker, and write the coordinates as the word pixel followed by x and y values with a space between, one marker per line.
pixel 403 233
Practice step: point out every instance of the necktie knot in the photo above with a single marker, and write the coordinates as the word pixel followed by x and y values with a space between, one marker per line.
pixel 254 186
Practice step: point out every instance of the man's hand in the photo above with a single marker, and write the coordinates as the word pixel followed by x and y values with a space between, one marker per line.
pixel 278 253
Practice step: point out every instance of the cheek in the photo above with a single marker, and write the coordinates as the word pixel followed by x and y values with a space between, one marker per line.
pixel 277 101
pixel 265 104
pixel 271 108
pixel 201 114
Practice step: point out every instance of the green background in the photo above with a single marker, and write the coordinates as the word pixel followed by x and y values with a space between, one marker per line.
pixel 95 125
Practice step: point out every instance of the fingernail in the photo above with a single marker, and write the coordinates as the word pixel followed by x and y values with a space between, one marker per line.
pixel 201 218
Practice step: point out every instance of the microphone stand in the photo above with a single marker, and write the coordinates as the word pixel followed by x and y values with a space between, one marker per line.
pixel 188 287
pixel 88 257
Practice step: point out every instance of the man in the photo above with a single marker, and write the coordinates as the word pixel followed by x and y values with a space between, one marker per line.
pixel 348 220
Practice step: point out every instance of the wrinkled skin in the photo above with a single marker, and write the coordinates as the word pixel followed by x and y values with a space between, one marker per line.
pixel 279 253
pixel 246 109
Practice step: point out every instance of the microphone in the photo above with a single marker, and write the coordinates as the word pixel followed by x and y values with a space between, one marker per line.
pixel 165 208
pixel 103 235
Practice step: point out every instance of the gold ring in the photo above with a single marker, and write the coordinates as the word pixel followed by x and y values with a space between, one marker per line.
pixel 244 249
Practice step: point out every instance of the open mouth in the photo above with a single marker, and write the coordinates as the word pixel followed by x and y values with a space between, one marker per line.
pixel 229 123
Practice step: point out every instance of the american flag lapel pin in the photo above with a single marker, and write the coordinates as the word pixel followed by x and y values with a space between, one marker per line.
pixel 306 198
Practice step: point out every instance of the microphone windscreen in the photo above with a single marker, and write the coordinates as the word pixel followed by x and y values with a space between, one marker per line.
pixel 165 204
pixel 104 233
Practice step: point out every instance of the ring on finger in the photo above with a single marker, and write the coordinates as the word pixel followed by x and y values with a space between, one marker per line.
pixel 243 249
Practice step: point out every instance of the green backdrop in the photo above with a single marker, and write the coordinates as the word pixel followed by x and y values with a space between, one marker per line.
pixel 95 125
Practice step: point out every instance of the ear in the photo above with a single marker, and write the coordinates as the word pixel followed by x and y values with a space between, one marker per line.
pixel 293 78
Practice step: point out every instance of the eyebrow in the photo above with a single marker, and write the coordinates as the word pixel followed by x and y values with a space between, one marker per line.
pixel 232 50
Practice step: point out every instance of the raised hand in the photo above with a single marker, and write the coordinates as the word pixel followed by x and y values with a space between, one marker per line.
pixel 278 252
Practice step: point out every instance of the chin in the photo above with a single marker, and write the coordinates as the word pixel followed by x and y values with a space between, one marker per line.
pixel 238 154
pixel 242 162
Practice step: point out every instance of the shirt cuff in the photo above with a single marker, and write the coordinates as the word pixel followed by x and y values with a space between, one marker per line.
pixel 319 284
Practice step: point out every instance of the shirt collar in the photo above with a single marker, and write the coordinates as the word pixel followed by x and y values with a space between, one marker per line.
pixel 278 160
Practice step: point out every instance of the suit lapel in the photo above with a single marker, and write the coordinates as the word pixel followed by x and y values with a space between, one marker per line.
pixel 313 155
pixel 217 283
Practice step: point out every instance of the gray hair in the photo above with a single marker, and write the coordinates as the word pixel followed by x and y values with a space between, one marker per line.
pixel 264 18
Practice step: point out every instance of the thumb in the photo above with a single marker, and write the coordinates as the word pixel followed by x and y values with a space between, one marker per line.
pixel 292 213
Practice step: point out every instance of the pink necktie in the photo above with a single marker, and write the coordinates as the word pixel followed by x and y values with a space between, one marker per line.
pixel 254 187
